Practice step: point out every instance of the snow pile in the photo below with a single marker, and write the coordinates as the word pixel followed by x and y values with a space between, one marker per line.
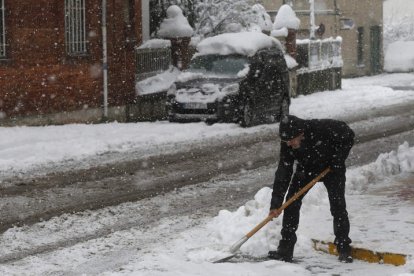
pixel 286 18
pixel 399 57
pixel 211 93
pixel 264 22
pixel 244 43
pixel 387 164
pixel 290 61
pixel 156 43
pixel 157 83
pixel 389 80
pixel 188 75
pixel 175 25
pixel 346 101
pixel 227 226
pixel 283 32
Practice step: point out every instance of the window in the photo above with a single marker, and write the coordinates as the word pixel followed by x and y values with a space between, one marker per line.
pixel 128 14
pixel 360 46
pixel 2 31
pixel 75 27
pixel 346 23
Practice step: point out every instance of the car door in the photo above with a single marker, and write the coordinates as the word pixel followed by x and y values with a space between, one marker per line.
pixel 270 82
pixel 278 74
pixel 261 86
pixel 252 80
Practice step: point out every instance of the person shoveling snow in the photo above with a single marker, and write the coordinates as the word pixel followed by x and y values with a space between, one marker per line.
pixel 314 145
pixel 320 148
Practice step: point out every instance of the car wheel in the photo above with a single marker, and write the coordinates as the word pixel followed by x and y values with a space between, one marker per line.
pixel 247 115
pixel 173 119
pixel 210 122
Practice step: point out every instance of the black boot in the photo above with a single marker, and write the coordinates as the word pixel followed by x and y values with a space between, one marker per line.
pixel 344 251
pixel 283 253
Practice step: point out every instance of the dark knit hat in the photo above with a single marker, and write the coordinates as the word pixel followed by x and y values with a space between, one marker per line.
pixel 290 127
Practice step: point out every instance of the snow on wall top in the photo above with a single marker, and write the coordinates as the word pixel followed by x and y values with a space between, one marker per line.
pixel 156 43
pixel 286 17
pixel 175 25
pixel 244 43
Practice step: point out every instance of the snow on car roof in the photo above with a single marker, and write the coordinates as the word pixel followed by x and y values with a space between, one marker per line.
pixel 243 43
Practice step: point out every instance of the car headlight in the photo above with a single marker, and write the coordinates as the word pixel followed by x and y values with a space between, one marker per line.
pixel 172 90
pixel 231 89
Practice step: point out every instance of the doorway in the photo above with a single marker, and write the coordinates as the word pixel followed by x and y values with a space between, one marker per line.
pixel 376 67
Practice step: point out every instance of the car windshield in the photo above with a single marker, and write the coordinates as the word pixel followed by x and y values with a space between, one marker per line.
pixel 218 64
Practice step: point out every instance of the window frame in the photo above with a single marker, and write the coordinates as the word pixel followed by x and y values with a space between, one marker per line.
pixel 76 43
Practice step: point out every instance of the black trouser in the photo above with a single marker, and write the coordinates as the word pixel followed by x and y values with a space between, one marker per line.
pixel 335 184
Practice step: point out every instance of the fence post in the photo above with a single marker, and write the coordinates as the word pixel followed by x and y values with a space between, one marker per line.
pixel 180 52
pixel 291 43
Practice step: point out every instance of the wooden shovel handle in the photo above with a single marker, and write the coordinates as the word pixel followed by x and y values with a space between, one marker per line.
pixel 289 201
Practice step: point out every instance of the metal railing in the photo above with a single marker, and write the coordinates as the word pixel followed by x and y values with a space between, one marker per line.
pixel 152 60
pixel 319 54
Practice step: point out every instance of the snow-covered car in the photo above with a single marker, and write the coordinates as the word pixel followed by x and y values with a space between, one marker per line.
pixel 233 77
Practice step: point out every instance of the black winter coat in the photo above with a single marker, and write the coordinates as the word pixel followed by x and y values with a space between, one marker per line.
pixel 326 143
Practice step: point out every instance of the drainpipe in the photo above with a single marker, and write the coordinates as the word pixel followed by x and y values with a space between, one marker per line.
pixel 336 18
pixel 312 19
pixel 104 62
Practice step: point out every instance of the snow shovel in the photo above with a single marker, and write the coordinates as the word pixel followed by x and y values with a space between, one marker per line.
pixel 235 247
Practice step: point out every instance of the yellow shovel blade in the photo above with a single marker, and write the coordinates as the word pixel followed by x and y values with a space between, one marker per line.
pixel 363 254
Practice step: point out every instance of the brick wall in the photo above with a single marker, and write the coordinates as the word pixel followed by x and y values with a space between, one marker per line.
pixel 38 77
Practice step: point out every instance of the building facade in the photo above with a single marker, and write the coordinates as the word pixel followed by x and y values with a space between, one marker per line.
pixel 51 59
pixel 359 23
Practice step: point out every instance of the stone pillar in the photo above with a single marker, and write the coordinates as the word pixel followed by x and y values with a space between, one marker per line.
pixel 180 52
pixel 291 43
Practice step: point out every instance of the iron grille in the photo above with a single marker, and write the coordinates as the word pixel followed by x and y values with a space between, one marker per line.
pixel 75 27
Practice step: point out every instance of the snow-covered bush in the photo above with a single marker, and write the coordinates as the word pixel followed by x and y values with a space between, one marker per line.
pixel 212 17
pixel 219 16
